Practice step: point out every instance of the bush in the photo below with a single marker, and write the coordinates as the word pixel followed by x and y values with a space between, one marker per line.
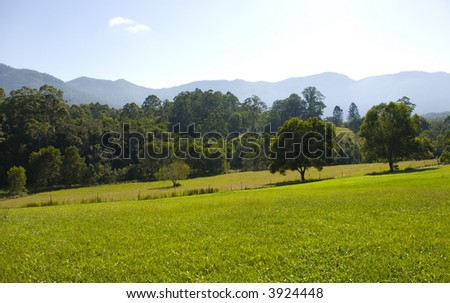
pixel 445 157
pixel 17 179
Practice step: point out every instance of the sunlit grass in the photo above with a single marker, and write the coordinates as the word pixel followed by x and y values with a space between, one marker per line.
pixel 387 228
pixel 226 182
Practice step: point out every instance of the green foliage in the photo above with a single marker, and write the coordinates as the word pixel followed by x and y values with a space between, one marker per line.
pixel 350 145
pixel 353 112
pixel 300 145
pixel 314 102
pixel 17 180
pixel 445 157
pixel 32 119
pixel 338 116
pixel 354 120
pixel 209 111
pixel 73 167
pixel 389 132
pixel 283 110
pixel 392 228
pixel 45 167
pixel 355 124
pixel 2 95
pixel 2 98
pixel 174 171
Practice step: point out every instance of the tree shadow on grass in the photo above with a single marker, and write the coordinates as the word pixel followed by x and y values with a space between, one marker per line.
pixel 4 195
pixel 404 171
pixel 296 182
pixel 164 187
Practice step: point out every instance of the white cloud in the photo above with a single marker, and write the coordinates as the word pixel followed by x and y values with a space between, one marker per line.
pixel 119 21
pixel 128 24
pixel 137 28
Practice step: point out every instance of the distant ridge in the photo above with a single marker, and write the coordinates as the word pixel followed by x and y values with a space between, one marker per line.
pixel 429 91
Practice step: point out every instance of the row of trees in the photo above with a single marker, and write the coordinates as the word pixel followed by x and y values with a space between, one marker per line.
pixel 58 144
pixel 35 119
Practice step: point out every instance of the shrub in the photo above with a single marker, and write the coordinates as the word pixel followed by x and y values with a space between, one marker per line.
pixel 17 179
pixel 445 157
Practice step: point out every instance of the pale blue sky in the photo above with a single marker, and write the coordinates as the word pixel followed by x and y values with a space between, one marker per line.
pixel 160 43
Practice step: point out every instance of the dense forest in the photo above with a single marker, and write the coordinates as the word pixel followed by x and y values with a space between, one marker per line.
pixel 53 143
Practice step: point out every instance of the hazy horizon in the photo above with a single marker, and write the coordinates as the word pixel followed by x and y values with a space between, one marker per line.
pixel 162 44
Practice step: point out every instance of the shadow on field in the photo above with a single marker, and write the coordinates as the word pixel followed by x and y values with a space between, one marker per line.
pixel 296 182
pixel 4 195
pixel 163 187
pixel 405 171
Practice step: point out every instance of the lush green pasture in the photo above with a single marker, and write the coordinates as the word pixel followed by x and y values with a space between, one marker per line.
pixel 226 182
pixel 386 228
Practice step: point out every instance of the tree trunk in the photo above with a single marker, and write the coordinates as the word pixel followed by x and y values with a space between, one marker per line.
pixel 391 166
pixel 302 174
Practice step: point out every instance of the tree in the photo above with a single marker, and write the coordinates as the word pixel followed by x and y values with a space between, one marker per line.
pixel 354 120
pixel 444 158
pixel 355 124
pixel 131 111
pixel 353 112
pixel 338 116
pixel 73 167
pixel 2 98
pixel 17 179
pixel 45 166
pixel 174 171
pixel 300 145
pixel 252 113
pixel 389 132
pixel 283 110
pixel 33 119
pixel 314 102
pixel 153 108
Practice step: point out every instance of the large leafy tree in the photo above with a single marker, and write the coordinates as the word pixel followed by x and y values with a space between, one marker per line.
pixel 73 167
pixel 252 110
pixel 389 132
pixel 300 145
pixel 45 167
pixel 314 102
pixel 177 170
pixel 283 110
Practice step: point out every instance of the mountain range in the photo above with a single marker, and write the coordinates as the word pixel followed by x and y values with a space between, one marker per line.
pixel 429 91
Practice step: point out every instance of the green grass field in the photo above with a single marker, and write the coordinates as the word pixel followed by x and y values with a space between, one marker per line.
pixel 385 228
pixel 226 182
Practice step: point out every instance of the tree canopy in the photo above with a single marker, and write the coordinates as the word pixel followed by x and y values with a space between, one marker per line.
pixel 389 132
pixel 177 170
pixel 300 145
pixel 61 144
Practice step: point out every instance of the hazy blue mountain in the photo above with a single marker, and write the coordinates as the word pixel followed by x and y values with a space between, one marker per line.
pixel 12 78
pixel 429 91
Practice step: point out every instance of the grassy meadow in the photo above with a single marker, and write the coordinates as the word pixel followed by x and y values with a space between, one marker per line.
pixel 365 228
pixel 226 182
